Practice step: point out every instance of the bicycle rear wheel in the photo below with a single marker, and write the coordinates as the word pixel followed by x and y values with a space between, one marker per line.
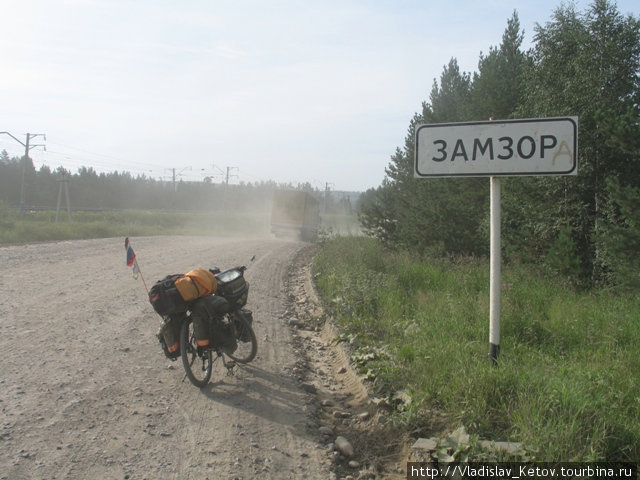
pixel 247 342
pixel 197 362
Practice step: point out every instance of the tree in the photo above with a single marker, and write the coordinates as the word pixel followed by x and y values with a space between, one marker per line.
pixel 446 215
pixel 496 87
pixel 586 65
pixel 621 241
pixel 449 100
pixel 10 177
pixel 4 158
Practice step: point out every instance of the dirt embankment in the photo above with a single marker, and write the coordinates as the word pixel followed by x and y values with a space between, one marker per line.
pixel 342 406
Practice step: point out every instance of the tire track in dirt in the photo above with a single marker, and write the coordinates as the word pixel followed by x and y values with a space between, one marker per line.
pixel 262 406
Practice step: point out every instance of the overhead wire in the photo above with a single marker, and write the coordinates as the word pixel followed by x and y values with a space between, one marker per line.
pixel 105 163
pixel 110 157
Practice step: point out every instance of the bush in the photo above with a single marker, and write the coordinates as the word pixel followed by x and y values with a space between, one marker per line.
pixel 561 258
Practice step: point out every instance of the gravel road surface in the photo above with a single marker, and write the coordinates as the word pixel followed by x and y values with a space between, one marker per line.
pixel 86 392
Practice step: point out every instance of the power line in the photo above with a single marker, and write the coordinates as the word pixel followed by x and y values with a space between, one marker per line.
pixel 106 156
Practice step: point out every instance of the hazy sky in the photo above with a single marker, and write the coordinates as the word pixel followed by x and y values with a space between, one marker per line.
pixel 286 90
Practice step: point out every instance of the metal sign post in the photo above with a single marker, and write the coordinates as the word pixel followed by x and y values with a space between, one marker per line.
pixel 545 146
pixel 495 263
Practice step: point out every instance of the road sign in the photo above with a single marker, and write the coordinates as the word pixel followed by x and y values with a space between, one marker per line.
pixel 544 146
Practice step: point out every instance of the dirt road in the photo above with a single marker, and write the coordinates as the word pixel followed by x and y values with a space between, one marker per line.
pixel 86 393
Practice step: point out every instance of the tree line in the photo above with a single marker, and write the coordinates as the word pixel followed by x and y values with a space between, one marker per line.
pixel 89 190
pixel 584 227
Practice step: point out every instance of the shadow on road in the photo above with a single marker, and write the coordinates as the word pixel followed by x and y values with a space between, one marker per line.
pixel 273 396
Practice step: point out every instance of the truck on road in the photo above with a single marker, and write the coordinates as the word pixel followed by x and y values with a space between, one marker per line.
pixel 295 212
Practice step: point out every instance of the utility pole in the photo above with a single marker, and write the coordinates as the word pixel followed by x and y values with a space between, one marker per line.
pixel 24 168
pixel 65 182
pixel 27 147
pixel 327 187
pixel 228 169
pixel 226 186
pixel 225 173
pixel 174 175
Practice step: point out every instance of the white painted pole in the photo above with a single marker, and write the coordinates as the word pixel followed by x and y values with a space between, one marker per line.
pixel 494 271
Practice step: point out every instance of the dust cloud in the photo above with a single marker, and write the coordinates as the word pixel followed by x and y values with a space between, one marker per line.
pixel 266 215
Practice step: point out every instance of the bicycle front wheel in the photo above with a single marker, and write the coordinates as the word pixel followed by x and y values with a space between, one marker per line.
pixel 197 362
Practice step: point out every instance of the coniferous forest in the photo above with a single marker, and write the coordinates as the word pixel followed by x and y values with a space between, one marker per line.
pixel 586 227
pixel 90 190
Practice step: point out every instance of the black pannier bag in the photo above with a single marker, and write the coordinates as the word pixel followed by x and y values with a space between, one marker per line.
pixel 222 335
pixel 233 287
pixel 219 331
pixel 165 297
pixel 169 335
pixel 209 326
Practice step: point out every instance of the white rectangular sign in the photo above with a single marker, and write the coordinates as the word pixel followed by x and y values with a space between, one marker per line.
pixel 544 146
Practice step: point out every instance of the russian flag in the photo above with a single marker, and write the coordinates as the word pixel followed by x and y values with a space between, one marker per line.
pixel 131 257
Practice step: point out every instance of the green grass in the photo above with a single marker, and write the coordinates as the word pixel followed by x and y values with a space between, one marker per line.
pixel 42 226
pixel 567 383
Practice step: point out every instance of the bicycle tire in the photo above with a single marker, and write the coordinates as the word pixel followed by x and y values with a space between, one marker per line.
pixel 246 351
pixel 197 363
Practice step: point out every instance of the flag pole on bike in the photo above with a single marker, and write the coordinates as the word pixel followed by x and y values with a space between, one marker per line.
pixel 132 261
